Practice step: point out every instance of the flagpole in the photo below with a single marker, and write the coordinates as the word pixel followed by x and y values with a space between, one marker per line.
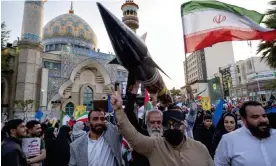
pixel 186 63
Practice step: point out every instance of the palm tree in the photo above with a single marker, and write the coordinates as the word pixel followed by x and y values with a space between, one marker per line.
pixel 268 49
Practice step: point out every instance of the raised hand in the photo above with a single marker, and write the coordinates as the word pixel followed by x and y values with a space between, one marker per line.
pixel 135 87
pixel 116 101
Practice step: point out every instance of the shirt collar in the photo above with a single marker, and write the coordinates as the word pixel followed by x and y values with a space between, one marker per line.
pixel 89 139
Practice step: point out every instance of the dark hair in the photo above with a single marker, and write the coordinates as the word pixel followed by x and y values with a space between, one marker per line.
pixel 95 110
pixel 246 104
pixel 49 133
pixel 64 133
pixel 12 124
pixel 220 126
pixel 173 107
pixel 207 116
pixel 32 123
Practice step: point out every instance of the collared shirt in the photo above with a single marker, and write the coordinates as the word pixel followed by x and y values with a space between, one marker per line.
pixel 99 153
pixel 241 148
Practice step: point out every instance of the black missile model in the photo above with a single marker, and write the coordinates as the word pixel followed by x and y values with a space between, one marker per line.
pixel 132 53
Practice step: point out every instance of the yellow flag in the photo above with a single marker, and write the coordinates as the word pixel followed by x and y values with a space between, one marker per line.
pixel 79 109
pixel 206 103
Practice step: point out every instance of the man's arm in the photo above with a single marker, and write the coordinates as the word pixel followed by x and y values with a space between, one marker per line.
pixel 39 158
pixel 129 110
pixel 42 155
pixel 222 155
pixel 72 161
pixel 191 118
pixel 140 143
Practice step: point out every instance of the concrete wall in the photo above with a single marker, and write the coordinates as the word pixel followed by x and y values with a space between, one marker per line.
pixel 217 56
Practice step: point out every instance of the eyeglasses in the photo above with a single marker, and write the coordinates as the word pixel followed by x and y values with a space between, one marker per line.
pixel 171 124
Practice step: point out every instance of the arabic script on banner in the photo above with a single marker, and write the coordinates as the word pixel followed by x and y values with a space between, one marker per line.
pixel 31 146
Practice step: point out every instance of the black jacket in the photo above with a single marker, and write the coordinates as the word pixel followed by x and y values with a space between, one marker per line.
pixel 205 136
pixel 138 159
pixel 11 153
pixel 52 155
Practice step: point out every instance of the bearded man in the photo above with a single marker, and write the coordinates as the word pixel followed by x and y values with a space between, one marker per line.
pixel 253 144
pixel 153 120
pixel 175 148
pixel 101 146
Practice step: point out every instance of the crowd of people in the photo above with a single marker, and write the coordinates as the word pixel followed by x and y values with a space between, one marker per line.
pixel 174 135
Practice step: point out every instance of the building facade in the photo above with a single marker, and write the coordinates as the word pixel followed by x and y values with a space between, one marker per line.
pixel 218 55
pixel 59 66
pixel 252 77
pixel 196 71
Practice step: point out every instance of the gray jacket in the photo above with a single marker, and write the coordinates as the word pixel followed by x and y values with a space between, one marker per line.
pixel 79 148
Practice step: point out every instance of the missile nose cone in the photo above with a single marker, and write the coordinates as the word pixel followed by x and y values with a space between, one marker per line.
pixel 101 7
pixel 129 48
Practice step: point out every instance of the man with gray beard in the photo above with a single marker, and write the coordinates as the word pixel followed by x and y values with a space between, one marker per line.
pixel 154 119
pixel 138 159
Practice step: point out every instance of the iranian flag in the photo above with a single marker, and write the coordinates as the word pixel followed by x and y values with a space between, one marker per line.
pixel 83 117
pixel 209 22
pixel 65 119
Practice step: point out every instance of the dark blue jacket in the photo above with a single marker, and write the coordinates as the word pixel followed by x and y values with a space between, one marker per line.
pixel 11 153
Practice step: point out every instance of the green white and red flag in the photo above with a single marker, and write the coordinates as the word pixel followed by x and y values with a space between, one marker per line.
pixel 66 119
pixel 209 22
pixel 83 117
pixel 147 104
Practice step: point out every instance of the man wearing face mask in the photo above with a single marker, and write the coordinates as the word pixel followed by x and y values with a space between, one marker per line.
pixel 237 148
pixel 173 149
pixel 99 147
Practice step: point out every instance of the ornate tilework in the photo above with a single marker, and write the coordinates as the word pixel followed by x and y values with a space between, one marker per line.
pixel 80 29
pixel 31 37
pixel 54 84
pixel 37 3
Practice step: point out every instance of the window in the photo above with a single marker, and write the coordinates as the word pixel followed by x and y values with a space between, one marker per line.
pixel 69 30
pixel 238 69
pixel 69 109
pixel 88 98
pixel 52 65
pixel 56 29
pixel 249 65
pixel 81 33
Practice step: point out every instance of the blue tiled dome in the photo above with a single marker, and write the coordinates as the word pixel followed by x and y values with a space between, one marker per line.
pixel 70 29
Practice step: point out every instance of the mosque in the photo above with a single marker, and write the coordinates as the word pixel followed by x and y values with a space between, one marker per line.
pixel 60 65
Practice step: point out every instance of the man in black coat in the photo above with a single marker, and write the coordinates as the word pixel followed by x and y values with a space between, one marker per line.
pixel 137 159
pixel 204 133
pixel 11 148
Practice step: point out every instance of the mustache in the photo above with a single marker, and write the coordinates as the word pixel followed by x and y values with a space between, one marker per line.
pixel 156 129
pixel 97 125
pixel 263 124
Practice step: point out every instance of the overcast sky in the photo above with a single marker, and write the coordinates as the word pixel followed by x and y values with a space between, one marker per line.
pixel 161 19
